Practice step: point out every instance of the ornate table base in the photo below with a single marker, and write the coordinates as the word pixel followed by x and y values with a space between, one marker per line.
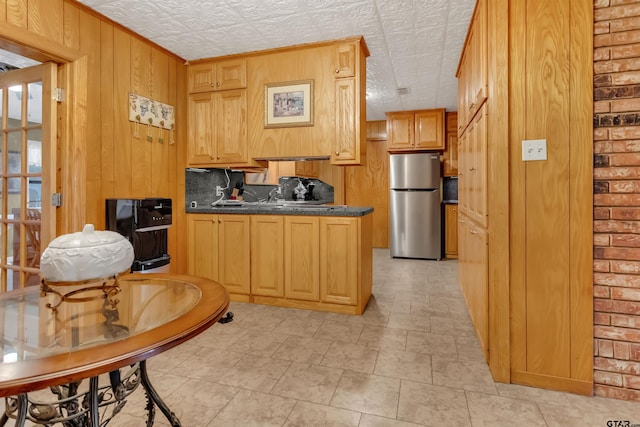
pixel 92 408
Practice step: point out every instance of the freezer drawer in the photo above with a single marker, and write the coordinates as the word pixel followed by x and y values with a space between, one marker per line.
pixel 415 224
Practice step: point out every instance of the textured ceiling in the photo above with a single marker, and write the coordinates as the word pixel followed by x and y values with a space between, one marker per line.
pixel 414 44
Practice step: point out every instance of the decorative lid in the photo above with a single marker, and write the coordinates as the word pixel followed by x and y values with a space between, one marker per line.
pixel 86 255
pixel 86 238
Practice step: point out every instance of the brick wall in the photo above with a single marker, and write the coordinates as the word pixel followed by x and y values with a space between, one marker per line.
pixel 616 137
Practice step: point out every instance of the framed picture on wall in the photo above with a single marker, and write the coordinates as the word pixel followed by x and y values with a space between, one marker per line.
pixel 288 104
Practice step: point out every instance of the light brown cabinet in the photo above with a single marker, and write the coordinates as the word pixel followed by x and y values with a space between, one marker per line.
pixel 450 154
pixel 219 75
pixel 346 60
pixel 415 130
pixel 472 175
pixel 218 128
pixel 218 249
pixel 301 258
pixel 339 254
pixel 451 231
pixel 308 169
pixel 267 255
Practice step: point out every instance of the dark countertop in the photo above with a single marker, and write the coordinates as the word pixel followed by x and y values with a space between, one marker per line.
pixel 449 202
pixel 273 209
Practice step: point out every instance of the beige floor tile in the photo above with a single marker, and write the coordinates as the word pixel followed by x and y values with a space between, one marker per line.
pixel 490 410
pixel 303 327
pixel 469 349
pixel 447 326
pixel 197 402
pixel 207 364
pixel 255 373
pixel 164 383
pixel 367 393
pixel 463 374
pixel 251 408
pixel 378 337
pixel 354 357
pixel 339 331
pixel 376 421
pixel 432 405
pixel 434 344
pixel 219 336
pixel 372 316
pixel 302 349
pixel 407 365
pixel 307 414
pixel 127 420
pixel 410 321
pixel 532 394
pixel 311 383
pixel 258 343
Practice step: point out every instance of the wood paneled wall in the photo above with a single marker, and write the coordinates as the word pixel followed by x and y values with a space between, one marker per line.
pixel 98 155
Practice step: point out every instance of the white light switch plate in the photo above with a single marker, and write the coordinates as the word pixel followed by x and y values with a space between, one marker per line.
pixel 534 149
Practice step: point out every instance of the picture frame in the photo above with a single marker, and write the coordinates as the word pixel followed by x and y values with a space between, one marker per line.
pixel 288 104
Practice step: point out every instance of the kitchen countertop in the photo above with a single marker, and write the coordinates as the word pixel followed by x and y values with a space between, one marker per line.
pixel 449 202
pixel 279 209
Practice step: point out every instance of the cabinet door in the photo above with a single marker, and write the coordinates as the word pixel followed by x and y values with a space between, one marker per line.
pixel 429 130
pixel 267 255
pixel 478 168
pixel 345 61
pixel 347 142
pixel 301 258
pixel 339 260
pixel 231 126
pixel 202 246
pixel 234 252
pixel 308 169
pixel 451 231
pixel 202 77
pixel 400 131
pixel 231 74
pixel 450 155
pixel 200 145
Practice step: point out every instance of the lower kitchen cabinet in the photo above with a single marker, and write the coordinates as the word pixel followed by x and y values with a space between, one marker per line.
pixel 218 249
pixel 339 255
pixel 451 231
pixel 301 258
pixel 267 255
pixel 312 262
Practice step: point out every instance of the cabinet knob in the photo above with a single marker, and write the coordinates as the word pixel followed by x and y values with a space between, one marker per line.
pixel 218 84
pixel 472 169
pixel 337 153
pixel 337 70
pixel 473 232
pixel 212 84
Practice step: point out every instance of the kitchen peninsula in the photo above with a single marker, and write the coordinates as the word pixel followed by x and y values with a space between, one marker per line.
pixel 307 256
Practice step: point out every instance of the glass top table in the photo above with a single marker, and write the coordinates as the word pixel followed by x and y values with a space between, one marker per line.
pixel 98 333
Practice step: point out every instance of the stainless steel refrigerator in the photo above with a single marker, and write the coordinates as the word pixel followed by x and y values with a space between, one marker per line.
pixel 414 200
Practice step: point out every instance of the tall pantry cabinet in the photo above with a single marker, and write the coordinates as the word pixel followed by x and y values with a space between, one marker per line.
pixel 525 228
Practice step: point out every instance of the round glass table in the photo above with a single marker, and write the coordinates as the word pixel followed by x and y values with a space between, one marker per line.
pixel 46 343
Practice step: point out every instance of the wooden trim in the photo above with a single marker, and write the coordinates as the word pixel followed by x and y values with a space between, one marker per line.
pixel 50 148
pixel 291 303
pixel 359 39
pixel 551 382
pixel 34 46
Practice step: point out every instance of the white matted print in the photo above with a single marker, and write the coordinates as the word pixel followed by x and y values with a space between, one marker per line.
pixel 288 104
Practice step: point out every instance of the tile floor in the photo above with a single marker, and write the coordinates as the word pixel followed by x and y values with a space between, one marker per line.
pixel 411 359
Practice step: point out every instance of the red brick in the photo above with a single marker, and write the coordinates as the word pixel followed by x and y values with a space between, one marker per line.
pixel 601 27
pixel 608 378
pixel 624 214
pixel 598 4
pixel 605 348
pixel 613 365
pixel 621 2
pixel 621 52
pixel 624 159
pixel 627 294
pixel 625 267
pixel 631 146
pixel 601 147
pixel 626 105
pixel 601 292
pixel 616 392
pixel 624 186
pixel 600 134
pixel 602 54
pixel 602 240
pixel 626 240
pixel 601 266
pixel 616 173
pixel 634 351
pixel 616 12
pixel 619 280
pixel 629 77
pixel 625 321
pixel 625 132
pixel 621 350
pixel 602 107
pixel 618 199
pixel 601 318
pixel 616 333
pixel 617 25
pixel 601 213
pixel 631 381
pixel 616 306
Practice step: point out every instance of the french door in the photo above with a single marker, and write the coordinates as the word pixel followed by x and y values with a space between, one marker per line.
pixel 27 172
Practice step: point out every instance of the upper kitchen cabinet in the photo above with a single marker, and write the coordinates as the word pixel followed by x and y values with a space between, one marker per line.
pixel 450 154
pixel 346 60
pixel 218 75
pixel 218 128
pixel 419 130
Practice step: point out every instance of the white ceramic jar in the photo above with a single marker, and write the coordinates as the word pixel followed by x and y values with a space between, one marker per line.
pixel 86 255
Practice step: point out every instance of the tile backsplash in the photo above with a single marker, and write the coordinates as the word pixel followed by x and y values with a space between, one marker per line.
pixel 200 187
